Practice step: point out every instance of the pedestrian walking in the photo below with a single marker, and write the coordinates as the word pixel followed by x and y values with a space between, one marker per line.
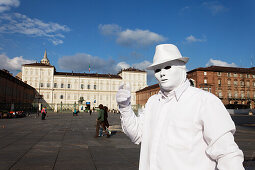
pixel 100 121
pixel 106 123
pixel 181 127
pixel 43 112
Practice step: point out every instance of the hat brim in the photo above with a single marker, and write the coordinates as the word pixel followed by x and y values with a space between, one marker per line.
pixel 156 65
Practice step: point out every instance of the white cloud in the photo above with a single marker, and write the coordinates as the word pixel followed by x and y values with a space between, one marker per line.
pixel 109 29
pixel 213 62
pixel 18 23
pixel 191 39
pixel 57 41
pixel 142 65
pixel 6 5
pixel 13 64
pixel 80 62
pixel 128 37
pixel 139 37
pixel 214 6
pixel 122 65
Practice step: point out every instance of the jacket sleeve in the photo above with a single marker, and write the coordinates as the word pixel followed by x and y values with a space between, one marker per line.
pixel 218 130
pixel 99 114
pixel 132 124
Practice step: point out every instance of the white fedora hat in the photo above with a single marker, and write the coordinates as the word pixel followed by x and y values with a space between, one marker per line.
pixel 166 53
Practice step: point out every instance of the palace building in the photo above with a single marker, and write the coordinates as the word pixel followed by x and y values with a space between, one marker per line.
pixel 68 88
pixel 234 86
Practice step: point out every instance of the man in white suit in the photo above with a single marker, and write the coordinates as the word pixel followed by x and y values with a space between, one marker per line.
pixel 181 127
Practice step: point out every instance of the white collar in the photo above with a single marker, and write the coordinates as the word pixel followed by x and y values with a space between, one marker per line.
pixel 177 92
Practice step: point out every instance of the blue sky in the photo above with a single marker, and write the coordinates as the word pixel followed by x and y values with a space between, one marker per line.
pixel 110 35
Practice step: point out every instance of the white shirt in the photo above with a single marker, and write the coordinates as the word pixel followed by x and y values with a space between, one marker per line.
pixel 189 129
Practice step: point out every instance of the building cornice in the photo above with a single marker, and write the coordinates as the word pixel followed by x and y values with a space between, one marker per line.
pixel 88 75
pixel 225 69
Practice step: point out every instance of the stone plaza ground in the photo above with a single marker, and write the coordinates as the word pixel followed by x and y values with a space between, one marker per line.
pixel 64 141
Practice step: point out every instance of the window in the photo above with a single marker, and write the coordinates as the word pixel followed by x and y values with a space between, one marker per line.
pixel 242 83
pixel 205 81
pixel 69 86
pixel 253 76
pixel 229 74
pixel 253 84
pixel 48 84
pixel 235 75
pixel 236 94
pixel 248 84
pixel 41 84
pixel 229 94
pixel 247 75
pixel 242 94
pixel 95 87
pixel 235 82
pixel 219 73
pixel 55 85
pixel 219 82
pixel 88 86
pixel 62 85
pixel 54 96
pixel 82 86
pixel 248 94
pixel 205 73
pixel 61 96
pixel 229 82
pixel 220 94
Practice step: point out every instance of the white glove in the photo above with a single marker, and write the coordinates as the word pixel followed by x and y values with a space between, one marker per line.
pixel 123 96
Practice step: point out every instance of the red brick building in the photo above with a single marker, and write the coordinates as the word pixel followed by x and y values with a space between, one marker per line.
pixel 234 86
pixel 144 94
pixel 231 84
pixel 15 92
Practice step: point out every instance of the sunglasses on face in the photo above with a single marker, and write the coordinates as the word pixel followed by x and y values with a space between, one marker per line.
pixel 158 70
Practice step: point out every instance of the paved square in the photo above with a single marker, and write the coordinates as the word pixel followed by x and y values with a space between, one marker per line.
pixel 64 141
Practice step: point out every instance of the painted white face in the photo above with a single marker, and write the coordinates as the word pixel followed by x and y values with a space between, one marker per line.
pixel 170 77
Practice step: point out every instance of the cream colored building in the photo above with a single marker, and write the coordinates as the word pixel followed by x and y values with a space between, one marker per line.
pixel 67 87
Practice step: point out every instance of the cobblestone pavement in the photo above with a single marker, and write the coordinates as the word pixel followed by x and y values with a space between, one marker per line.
pixel 64 141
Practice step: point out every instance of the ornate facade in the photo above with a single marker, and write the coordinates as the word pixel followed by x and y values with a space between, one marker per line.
pixel 68 87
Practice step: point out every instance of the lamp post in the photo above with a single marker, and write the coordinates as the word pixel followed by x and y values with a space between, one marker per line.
pixel 61 106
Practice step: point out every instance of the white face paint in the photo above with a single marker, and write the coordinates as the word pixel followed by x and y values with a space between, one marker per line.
pixel 170 76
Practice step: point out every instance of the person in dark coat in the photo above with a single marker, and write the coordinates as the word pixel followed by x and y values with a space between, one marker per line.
pixel 43 112
pixel 106 117
pixel 100 121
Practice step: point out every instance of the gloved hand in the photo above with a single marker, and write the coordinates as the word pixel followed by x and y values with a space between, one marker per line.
pixel 123 96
